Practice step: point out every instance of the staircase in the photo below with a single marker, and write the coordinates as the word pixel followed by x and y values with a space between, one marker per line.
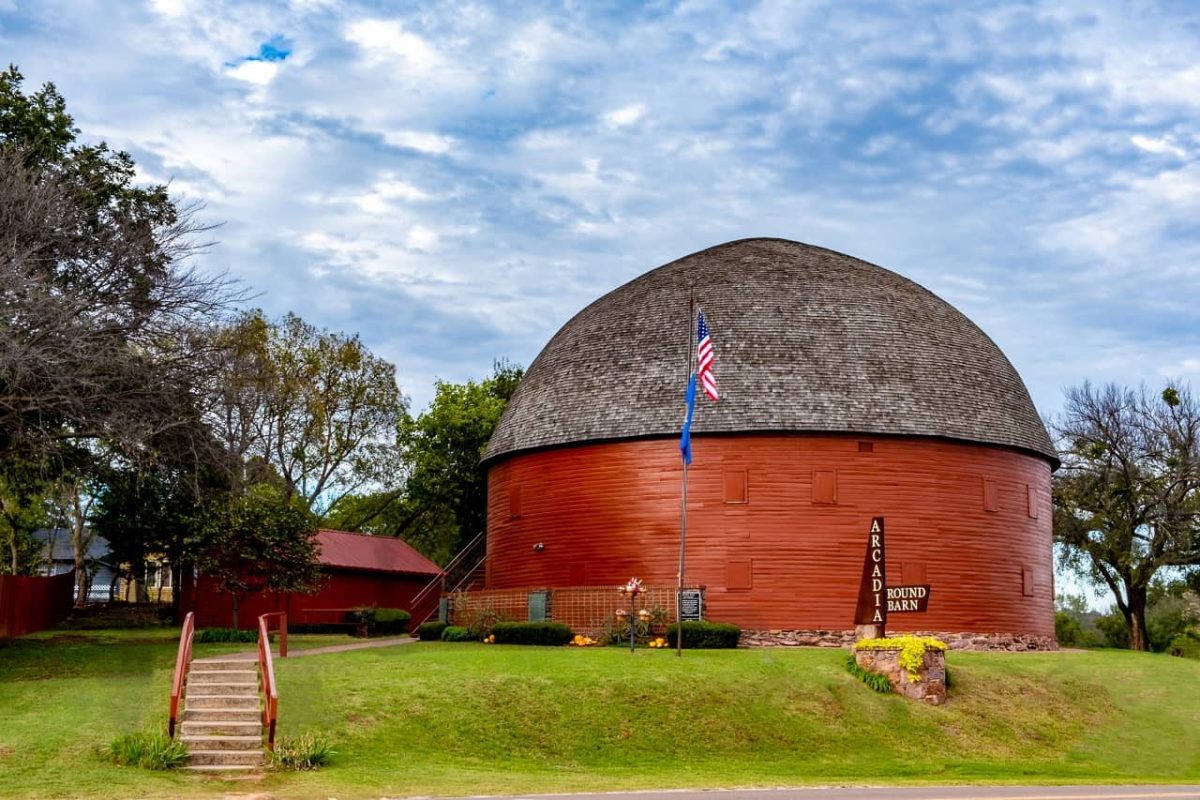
pixel 222 719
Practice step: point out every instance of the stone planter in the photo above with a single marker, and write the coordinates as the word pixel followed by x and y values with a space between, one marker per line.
pixel 930 685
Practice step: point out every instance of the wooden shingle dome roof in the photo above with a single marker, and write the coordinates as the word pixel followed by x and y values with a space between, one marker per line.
pixel 807 340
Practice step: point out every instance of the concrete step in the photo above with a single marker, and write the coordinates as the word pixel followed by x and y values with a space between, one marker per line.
pixel 208 689
pixel 221 729
pixel 213 743
pixel 238 665
pixel 235 701
pixel 225 758
pixel 218 769
pixel 223 714
pixel 227 676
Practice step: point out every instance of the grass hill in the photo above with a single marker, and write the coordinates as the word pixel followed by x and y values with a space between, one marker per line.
pixel 434 718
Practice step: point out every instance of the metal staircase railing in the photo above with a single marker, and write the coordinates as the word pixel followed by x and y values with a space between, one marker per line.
pixel 439 581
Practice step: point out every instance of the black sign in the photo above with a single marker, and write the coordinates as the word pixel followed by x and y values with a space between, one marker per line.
pixel 691 605
pixel 904 599
pixel 872 605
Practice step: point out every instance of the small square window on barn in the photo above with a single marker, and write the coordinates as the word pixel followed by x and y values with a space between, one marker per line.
pixel 1032 496
pixel 990 503
pixel 736 486
pixel 1027 581
pixel 577 573
pixel 514 501
pixel 824 487
pixel 738 575
pixel 866 447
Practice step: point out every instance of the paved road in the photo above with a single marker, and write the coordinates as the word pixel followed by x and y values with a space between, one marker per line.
pixel 904 793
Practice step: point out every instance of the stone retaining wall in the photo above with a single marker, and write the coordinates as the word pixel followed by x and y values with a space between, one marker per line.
pixel 930 686
pixel 1008 642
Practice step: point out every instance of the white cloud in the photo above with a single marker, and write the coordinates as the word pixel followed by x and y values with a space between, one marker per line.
pixel 390 39
pixel 259 73
pixel 624 117
pixel 422 141
pixel 1161 146
pixel 422 238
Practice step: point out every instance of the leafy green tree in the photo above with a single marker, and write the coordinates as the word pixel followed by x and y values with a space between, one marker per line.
pixel 103 336
pixel 442 504
pixel 262 540
pixel 1127 499
pixel 24 494
pixel 312 409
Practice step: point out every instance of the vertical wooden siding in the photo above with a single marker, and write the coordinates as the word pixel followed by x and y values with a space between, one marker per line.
pixel 34 603
pixel 606 512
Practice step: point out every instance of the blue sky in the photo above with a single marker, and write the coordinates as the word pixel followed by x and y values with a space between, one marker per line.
pixel 454 180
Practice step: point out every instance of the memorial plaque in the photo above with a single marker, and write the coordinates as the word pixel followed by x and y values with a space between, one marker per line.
pixel 906 599
pixel 691 605
pixel 872 605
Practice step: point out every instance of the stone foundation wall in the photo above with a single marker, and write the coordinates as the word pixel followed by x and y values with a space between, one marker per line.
pixel 1007 642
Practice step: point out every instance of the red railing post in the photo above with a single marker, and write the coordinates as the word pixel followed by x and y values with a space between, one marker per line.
pixel 267 670
pixel 183 661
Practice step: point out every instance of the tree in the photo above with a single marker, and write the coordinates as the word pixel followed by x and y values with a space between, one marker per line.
pixel 442 504
pixel 24 490
pixel 1127 499
pixel 259 541
pixel 103 334
pixel 312 409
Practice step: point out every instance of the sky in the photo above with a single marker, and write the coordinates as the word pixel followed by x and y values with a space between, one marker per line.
pixel 453 181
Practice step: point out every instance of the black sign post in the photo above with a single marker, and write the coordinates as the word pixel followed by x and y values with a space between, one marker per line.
pixel 872 605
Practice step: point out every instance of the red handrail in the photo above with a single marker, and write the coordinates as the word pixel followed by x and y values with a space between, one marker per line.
pixel 282 627
pixel 270 694
pixel 183 661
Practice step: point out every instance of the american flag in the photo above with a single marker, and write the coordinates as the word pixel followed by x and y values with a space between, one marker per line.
pixel 704 356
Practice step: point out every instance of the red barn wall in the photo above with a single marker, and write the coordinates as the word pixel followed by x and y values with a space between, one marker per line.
pixel 971 520
pixel 340 589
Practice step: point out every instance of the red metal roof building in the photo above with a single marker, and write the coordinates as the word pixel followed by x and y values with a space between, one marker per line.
pixel 358 570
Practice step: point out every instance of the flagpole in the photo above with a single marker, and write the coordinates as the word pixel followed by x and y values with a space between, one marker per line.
pixel 683 511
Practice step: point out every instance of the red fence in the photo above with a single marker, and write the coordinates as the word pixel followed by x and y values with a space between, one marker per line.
pixel 29 604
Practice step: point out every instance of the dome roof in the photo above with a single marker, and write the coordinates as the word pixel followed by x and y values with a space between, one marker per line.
pixel 806 340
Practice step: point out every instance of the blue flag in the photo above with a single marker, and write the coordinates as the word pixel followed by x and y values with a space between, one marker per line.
pixel 685 443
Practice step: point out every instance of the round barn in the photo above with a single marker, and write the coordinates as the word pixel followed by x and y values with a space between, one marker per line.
pixel 846 392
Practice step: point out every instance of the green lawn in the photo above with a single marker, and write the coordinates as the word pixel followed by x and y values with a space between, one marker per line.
pixel 443 719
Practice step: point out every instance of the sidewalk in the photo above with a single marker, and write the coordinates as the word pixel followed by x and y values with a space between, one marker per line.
pixel 252 655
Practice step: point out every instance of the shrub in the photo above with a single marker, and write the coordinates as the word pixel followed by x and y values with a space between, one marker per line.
pixel 391 622
pixel 1068 630
pixel 456 633
pixel 373 621
pixel 876 680
pixel 431 631
pixel 148 750
pixel 544 633
pixel 1186 644
pixel 705 635
pixel 304 752
pixel 1115 630
pixel 226 635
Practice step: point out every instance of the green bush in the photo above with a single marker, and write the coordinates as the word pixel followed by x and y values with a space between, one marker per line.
pixel 1167 617
pixel 1116 632
pixel 1186 644
pixel 391 622
pixel 876 680
pixel 705 635
pixel 379 621
pixel 545 633
pixel 1068 630
pixel 148 750
pixel 455 633
pixel 431 631
pixel 207 635
pixel 304 752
